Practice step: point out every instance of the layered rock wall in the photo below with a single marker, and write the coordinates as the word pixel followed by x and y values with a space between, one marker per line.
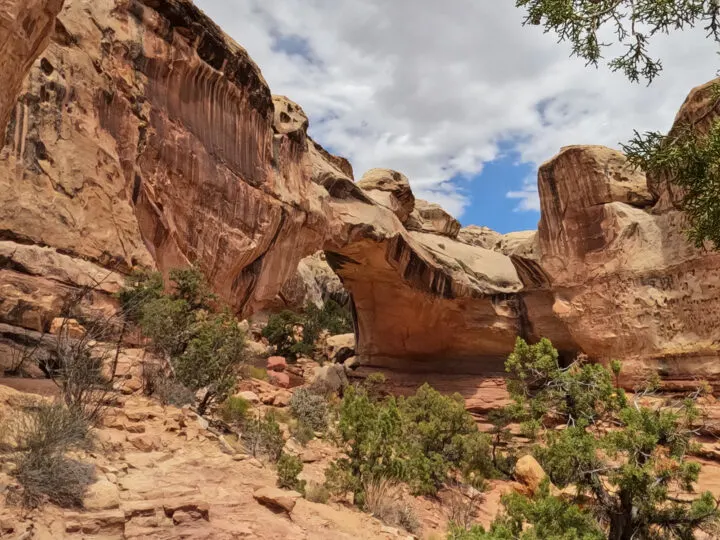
pixel 143 136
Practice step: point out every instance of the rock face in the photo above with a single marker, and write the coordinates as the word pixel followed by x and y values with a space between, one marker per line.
pixel 25 29
pixel 143 136
pixel 626 282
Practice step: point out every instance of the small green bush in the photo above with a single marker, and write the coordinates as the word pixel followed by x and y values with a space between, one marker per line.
pixel 255 372
pixel 310 409
pixel 288 469
pixel 296 334
pixel 263 436
pixel 234 410
pixel 302 432
pixel 211 359
pixel 422 440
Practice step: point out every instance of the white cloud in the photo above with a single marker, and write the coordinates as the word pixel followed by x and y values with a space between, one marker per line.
pixel 527 195
pixel 431 88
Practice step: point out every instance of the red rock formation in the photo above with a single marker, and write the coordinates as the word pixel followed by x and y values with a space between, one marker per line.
pixel 25 29
pixel 145 136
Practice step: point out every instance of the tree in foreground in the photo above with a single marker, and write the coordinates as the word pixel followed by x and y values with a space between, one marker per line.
pixel 204 348
pixel 587 25
pixel 688 156
pixel 626 459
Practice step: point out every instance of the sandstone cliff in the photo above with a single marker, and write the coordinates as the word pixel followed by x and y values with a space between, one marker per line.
pixel 144 136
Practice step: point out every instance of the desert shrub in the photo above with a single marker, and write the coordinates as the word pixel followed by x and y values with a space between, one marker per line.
pixel 141 288
pixel 76 365
pixel 168 324
pixel 373 384
pixel 296 334
pixel 263 436
pixel 41 435
pixel 317 493
pixel 172 392
pixel 422 440
pixel 190 285
pixel 205 349
pixel 288 469
pixel 49 428
pixel 637 474
pixel 53 478
pixel 211 359
pixel 540 517
pixel 282 332
pixel 309 409
pixel 234 410
pixel 302 432
pixel 461 508
pixel 384 500
pixel 255 372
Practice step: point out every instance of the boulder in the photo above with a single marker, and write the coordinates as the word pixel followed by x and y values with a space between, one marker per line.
pixel 69 327
pixel 529 473
pixel 277 499
pixel 102 495
pixel 279 378
pixel 330 378
pixel 431 218
pixel 276 363
pixel 339 348
pixel 249 396
pixel 391 189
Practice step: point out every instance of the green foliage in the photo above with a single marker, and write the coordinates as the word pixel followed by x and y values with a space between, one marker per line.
pixel 282 332
pixel 168 324
pixel 309 409
pixel 141 288
pixel 190 285
pixel 205 349
pixel 234 410
pixel 687 157
pixel 632 472
pixel 262 436
pixel 295 334
pixel 373 384
pixel 542 517
pixel 288 469
pixel 583 393
pixel 255 372
pixel 421 440
pixel 690 160
pixel 211 357
pixel 302 432
pixel 633 22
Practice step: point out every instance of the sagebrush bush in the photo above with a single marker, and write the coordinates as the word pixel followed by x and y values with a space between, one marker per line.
pixel 234 410
pixel 53 478
pixel 172 392
pixel 41 435
pixel 288 469
pixel 309 408
pixel 317 493
pixel 302 432
pixel 384 500
pixel 262 435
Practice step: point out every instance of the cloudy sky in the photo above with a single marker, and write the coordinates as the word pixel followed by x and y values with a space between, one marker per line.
pixel 456 94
